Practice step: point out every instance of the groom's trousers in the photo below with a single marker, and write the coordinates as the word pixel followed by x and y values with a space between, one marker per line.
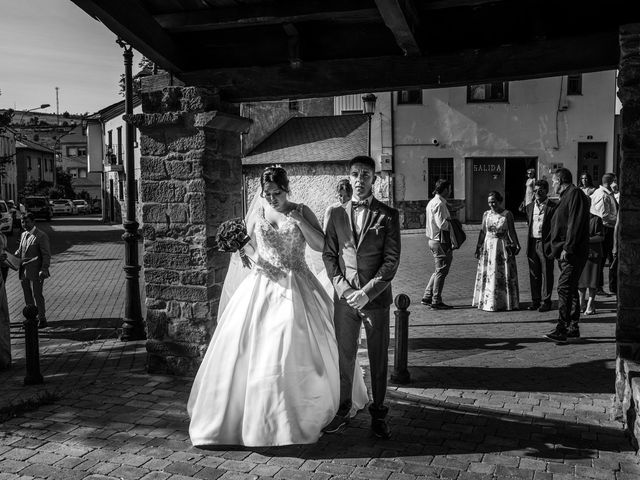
pixel 347 322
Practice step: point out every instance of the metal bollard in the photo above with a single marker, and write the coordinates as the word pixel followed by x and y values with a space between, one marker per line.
pixel 400 373
pixel 31 347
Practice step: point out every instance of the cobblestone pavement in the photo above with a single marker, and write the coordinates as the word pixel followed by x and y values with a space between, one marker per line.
pixel 489 397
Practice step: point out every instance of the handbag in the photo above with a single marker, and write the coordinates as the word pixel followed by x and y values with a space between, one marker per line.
pixel 458 236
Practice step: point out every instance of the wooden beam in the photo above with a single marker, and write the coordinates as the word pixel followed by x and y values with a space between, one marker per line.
pixel 268 14
pixel 542 58
pixel 402 20
pixel 129 20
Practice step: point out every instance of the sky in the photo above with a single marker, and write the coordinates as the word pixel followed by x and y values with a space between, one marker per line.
pixel 53 43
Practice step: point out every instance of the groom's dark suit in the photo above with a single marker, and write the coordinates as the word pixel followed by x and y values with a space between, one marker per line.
pixel 369 262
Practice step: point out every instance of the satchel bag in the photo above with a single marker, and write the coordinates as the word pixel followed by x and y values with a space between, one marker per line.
pixel 458 236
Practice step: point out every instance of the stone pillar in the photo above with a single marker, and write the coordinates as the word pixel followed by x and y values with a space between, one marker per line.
pixel 628 322
pixel 191 181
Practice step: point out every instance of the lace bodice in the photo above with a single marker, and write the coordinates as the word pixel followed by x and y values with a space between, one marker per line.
pixel 497 225
pixel 280 250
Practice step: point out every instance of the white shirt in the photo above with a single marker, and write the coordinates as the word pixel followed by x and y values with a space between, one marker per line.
pixel 437 217
pixel 360 213
pixel 603 204
pixel 538 218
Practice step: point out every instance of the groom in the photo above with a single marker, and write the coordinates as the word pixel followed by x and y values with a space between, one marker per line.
pixel 361 255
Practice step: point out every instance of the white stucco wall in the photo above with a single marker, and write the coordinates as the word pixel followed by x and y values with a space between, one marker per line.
pixel 529 125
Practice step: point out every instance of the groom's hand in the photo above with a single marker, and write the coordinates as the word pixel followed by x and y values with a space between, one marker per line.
pixel 358 299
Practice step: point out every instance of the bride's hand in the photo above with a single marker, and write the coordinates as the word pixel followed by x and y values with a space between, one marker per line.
pixel 296 214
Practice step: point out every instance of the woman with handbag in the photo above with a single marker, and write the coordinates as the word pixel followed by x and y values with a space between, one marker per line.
pixel 496 285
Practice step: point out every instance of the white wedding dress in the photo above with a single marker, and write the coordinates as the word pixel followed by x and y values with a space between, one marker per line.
pixel 270 375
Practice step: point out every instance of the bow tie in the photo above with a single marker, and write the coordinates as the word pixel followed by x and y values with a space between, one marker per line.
pixel 361 203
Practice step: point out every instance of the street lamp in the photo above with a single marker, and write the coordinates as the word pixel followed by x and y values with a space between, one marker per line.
pixel 132 326
pixel 369 104
pixel 44 105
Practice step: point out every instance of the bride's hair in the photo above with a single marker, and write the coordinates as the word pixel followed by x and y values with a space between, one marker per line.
pixel 277 175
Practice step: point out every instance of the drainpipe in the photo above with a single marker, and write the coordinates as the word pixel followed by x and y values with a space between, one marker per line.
pixel 392 182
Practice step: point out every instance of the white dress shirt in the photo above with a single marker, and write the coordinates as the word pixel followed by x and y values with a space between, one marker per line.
pixel 360 213
pixel 604 205
pixel 538 218
pixel 437 217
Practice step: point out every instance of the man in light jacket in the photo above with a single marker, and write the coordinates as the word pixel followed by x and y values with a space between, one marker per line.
pixel 35 253
pixel 437 230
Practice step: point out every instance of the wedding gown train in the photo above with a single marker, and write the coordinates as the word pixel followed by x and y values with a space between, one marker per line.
pixel 270 375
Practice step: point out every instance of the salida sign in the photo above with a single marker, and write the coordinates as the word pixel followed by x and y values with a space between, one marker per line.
pixel 486 167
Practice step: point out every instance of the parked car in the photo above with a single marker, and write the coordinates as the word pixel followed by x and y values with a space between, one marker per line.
pixel 64 206
pixel 82 206
pixel 39 207
pixel 6 219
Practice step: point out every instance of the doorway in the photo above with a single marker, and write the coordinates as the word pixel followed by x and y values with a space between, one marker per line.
pixel 515 179
pixel 591 159
pixel 507 175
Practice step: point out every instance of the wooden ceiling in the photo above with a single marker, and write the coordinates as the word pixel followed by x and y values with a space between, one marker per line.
pixel 261 49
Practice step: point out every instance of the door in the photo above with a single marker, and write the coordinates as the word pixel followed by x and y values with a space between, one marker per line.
pixel 591 159
pixel 487 174
pixel 112 200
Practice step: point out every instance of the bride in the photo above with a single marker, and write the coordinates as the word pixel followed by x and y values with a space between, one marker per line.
pixel 270 375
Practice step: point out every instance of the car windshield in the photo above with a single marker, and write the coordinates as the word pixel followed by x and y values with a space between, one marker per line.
pixel 78 202
pixel 59 202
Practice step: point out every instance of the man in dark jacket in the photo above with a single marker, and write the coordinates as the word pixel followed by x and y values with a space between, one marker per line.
pixel 539 215
pixel 569 243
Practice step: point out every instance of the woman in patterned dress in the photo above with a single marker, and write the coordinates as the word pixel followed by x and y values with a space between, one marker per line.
pixel 496 285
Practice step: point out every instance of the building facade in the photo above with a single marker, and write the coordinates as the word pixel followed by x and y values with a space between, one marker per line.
pixel 34 164
pixel 8 167
pixel 106 140
pixel 71 157
pixel 485 137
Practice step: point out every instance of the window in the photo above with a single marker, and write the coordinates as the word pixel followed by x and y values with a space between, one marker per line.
pixel 574 84
pixel 28 162
pixel 294 106
pixel 110 139
pixel 439 168
pixel 82 151
pixel 72 151
pixel 121 190
pixel 82 173
pixel 119 152
pixel 488 92
pixel 73 172
pixel 410 97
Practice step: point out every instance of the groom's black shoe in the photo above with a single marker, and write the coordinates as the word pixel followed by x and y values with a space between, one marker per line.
pixel 380 428
pixel 337 424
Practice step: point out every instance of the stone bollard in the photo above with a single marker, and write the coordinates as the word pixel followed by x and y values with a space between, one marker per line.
pixel 400 373
pixel 31 347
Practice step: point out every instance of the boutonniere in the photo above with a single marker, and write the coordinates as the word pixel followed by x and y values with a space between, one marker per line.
pixel 378 224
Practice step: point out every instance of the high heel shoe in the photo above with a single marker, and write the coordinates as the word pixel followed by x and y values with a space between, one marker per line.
pixel 590 312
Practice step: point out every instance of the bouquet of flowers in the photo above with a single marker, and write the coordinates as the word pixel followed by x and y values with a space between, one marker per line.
pixel 232 237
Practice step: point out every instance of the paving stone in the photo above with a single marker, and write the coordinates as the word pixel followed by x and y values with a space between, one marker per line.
pixel 237 466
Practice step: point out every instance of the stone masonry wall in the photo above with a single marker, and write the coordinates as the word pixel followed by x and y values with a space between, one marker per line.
pixel 191 178
pixel 628 322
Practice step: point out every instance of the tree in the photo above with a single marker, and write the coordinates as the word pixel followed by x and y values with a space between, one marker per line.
pixel 147 67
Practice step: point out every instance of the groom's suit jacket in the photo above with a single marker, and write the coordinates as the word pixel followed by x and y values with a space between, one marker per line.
pixel 35 251
pixel 368 264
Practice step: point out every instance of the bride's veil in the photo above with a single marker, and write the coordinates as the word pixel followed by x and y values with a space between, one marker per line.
pixel 237 272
